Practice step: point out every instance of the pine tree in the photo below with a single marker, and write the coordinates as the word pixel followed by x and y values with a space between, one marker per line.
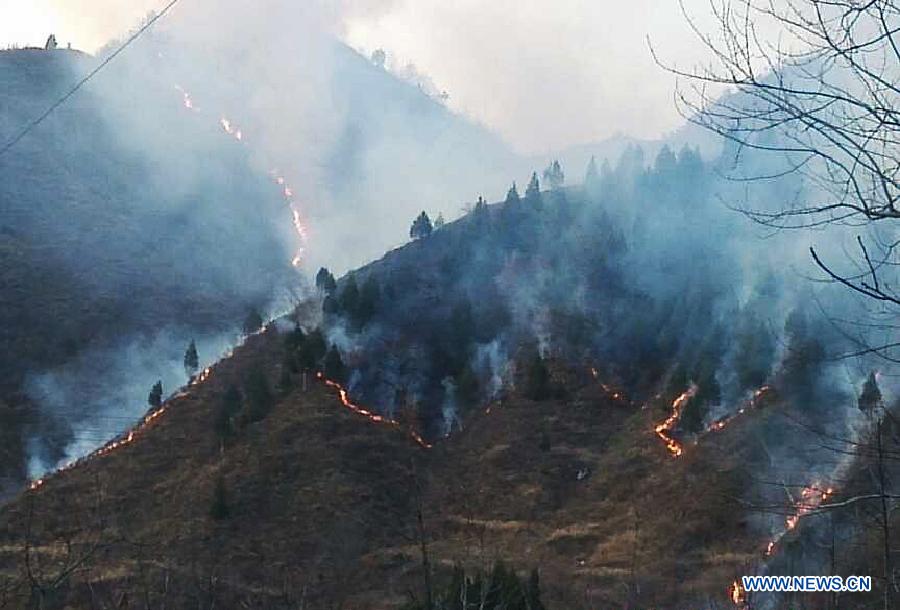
pixel 252 323
pixel 554 175
pixel 592 176
pixel 191 359
pixel 155 397
pixel 439 222
pixel 533 192
pixel 334 365
pixel 870 397
pixel 512 195
pixel 325 281
pixel 421 227
pixel 537 382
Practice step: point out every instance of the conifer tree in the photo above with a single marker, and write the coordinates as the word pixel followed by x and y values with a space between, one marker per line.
pixel 439 222
pixel 554 175
pixel 512 195
pixel 533 191
pixel 592 176
pixel 870 397
pixel 191 359
pixel 252 323
pixel 325 281
pixel 334 365
pixel 155 397
pixel 537 383
pixel 421 227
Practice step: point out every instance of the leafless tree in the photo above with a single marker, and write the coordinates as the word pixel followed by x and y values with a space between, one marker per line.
pixel 814 83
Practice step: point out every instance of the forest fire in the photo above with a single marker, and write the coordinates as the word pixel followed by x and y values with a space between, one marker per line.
pixel 230 128
pixel 140 427
pixel 737 594
pixel 811 497
pixel 754 402
pixel 186 98
pixel 609 390
pixel 106 449
pixel 373 417
pixel 664 430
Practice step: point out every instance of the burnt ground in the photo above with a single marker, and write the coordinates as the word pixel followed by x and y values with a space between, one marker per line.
pixel 323 507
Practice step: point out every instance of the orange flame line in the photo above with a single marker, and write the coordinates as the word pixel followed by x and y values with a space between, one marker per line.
pixel 664 430
pixel 373 417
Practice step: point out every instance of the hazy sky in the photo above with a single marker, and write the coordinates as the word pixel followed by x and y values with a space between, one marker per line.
pixel 543 74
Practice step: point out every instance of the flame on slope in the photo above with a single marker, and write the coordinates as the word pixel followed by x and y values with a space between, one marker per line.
pixel 373 417
pixel 754 401
pixel 186 98
pixel 811 498
pixel 664 430
pixel 609 390
pixel 129 438
pixel 737 594
pixel 229 127
pixel 141 426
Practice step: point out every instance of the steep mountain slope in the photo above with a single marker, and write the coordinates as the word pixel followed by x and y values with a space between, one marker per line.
pixel 583 464
pixel 105 242
pixel 133 221
pixel 322 504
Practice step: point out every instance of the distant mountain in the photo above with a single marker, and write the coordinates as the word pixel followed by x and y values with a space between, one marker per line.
pixel 132 221
pixel 583 456
pixel 104 241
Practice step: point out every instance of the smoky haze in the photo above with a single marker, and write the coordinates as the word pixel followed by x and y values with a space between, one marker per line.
pixel 170 163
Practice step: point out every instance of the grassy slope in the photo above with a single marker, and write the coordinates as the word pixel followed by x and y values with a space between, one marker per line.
pixel 324 499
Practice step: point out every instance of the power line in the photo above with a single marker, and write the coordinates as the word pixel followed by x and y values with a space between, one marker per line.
pixel 83 81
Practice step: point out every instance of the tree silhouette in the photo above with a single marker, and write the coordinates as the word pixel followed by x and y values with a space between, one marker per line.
pixel 512 195
pixel 554 175
pixel 155 397
pixel 537 381
pixel 592 176
pixel 333 365
pixel 191 359
pixel 421 227
pixel 533 192
pixel 325 281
